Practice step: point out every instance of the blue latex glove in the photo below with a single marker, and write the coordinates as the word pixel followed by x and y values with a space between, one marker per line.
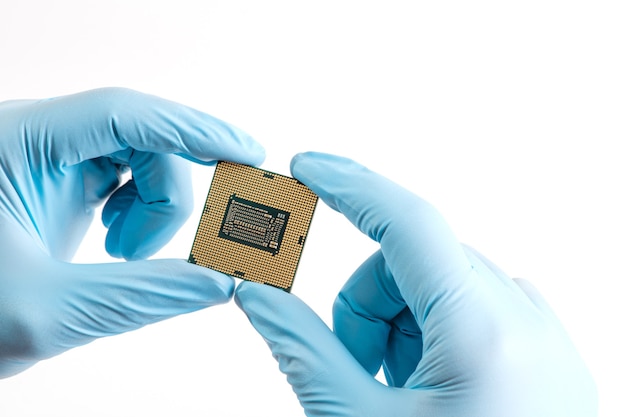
pixel 59 159
pixel 454 334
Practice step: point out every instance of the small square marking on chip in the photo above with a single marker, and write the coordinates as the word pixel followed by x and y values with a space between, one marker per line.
pixel 254 225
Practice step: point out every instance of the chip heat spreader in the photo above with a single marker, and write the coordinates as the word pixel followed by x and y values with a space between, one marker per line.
pixel 254 225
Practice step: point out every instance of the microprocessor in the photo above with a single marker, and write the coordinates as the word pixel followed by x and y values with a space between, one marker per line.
pixel 254 225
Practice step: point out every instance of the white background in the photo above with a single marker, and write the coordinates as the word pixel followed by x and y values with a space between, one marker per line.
pixel 508 116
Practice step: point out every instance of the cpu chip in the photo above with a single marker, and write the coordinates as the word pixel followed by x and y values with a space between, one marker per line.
pixel 254 225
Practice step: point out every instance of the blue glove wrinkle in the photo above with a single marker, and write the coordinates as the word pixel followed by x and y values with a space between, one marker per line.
pixel 404 349
pixel 366 338
pixel 114 216
pixel 364 310
pixel 119 202
pixel 372 292
pixel 101 177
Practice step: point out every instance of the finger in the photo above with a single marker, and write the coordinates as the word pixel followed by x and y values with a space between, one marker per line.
pixel 404 349
pixel 101 177
pixel 118 204
pixel 323 374
pixel 144 214
pixel 114 214
pixel 108 299
pixel 423 255
pixel 364 309
pixel 372 321
pixel 101 122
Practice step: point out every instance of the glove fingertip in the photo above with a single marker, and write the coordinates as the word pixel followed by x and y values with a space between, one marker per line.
pixel 224 287
pixel 217 283
pixel 300 160
pixel 248 292
pixel 257 152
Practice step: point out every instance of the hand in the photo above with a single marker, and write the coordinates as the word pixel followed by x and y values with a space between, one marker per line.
pixel 59 159
pixel 454 334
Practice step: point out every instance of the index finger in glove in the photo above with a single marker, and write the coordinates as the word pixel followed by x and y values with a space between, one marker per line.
pixel 423 255
pixel 145 213
pixel 324 375
pixel 100 122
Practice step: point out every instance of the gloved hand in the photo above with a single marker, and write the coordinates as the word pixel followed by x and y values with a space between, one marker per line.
pixel 59 159
pixel 454 334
